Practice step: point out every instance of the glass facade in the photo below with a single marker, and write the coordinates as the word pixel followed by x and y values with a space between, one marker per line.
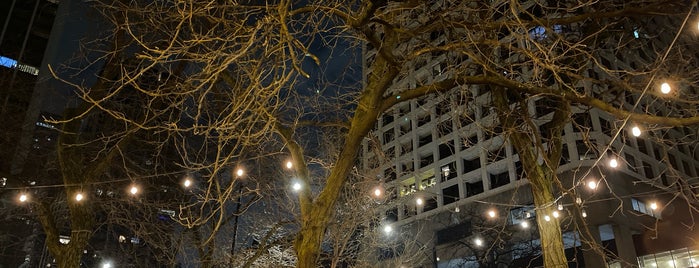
pixel 679 258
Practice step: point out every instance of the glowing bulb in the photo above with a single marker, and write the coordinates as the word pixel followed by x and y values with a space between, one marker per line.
pixel 133 190
pixel 578 200
pixel 23 198
pixel 560 206
pixel 592 185
pixel 547 218
pixel 491 213
pixel 387 229
pixel 419 201
pixel 556 214
pixel 289 165
pixel 187 183
pixel 584 214
pixel 653 206
pixel 665 88
pixel 240 172
pixel 524 224
pixel 456 209
pixel 377 192
pixel 478 242
pixel 296 186
pixel 613 163
pixel 636 131
pixel 79 197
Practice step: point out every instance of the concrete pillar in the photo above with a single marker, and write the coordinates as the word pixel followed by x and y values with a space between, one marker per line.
pixel 625 246
pixel 592 257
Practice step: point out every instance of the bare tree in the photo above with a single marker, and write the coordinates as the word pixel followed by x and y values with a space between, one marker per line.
pixel 236 77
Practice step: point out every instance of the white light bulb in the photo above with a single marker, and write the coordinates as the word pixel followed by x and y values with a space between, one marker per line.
pixel 653 206
pixel 592 185
pixel 578 200
pixel 387 229
pixel 584 214
pixel 556 214
pixel 296 186
pixel 289 165
pixel 133 190
pixel 560 206
pixel 419 201
pixel 240 172
pixel 23 198
pixel 377 192
pixel 636 131
pixel 79 197
pixel 547 218
pixel 613 163
pixel 456 209
pixel 478 242
pixel 187 183
pixel 665 88
pixel 524 224
pixel 491 213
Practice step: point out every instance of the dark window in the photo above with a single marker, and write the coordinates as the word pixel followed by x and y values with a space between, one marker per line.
pixel 407 167
pixel 426 160
pixel 471 164
pixel 406 147
pixel 430 204
pixel 388 136
pixel 474 188
pixel 387 118
pixel 392 215
pixel 606 126
pixel 389 174
pixel 442 107
pixel 631 161
pixel 519 170
pixel 423 119
pixel 544 106
pixel 444 128
pixel 446 149
pixel 405 128
pixel 648 170
pixel 673 160
pixel 492 132
pixel 584 151
pixel 497 155
pixel 424 140
pixel 641 143
pixel 469 142
pixel 466 119
pixel 453 233
pixel 450 194
pixel 390 152
pixel 500 179
pixel 565 155
pixel 485 111
pixel 581 121
pixel 404 110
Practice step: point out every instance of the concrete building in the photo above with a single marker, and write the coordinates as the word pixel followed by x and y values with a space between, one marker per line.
pixel 453 177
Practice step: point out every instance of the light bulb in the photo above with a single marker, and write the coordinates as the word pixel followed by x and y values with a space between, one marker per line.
pixel 23 198
pixel 240 172
pixel 491 213
pixel 556 214
pixel 478 242
pixel 584 214
pixel 613 163
pixel 524 224
pixel 133 190
pixel 636 131
pixel 79 197
pixel 377 192
pixel 560 206
pixel 665 88
pixel 578 200
pixel 547 218
pixel 653 206
pixel 296 186
pixel 456 209
pixel 592 185
pixel 187 183
pixel 387 229
pixel 419 201
pixel 289 165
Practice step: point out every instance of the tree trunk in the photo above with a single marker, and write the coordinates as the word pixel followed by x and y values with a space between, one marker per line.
pixel 549 231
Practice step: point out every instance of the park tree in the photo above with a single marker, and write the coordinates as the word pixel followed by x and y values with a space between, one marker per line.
pixel 218 80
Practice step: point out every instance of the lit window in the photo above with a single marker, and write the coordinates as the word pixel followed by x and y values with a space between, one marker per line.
pixel 7 62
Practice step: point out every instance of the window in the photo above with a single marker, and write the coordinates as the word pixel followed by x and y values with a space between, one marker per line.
pixel 585 152
pixel 427 183
pixel 641 207
pixel 426 160
pixel 387 118
pixel 389 174
pixel 499 179
pixel 423 119
pixel 407 167
pixel 648 170
pixel 544 106
pixel 471 164
pixel 474 188
pixel 641 143
pixel 582 121
pixel 446 149
pixel 470 141
pixel 405 127
pixel 450 194
pixel 444 128
pixel 406 147
pixel 425 139
pixel 388 136
pixel 497 155
pixel 448 171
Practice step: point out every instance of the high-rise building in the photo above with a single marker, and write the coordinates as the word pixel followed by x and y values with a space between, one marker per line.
pixel 454 178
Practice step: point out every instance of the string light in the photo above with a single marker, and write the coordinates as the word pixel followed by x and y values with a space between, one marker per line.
pixel 377 192
pixel 653 206
pixel 524 224
pixel 419 201
pixel 556 214
pixel 296 186
pixel 665 88
pixel 289 165
pixel 387 229
pixel 592 185
pixel 491 213
pixel 79 197
pixel 636 131
pixel 547 218
pixel 23 197
pixel 186 183
pixel 240 172
pixel 478 242
pixel 456 209
pixel 613 163
pixel 560 206
pixel 133 190
pixel 578 200
pixel 584 214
